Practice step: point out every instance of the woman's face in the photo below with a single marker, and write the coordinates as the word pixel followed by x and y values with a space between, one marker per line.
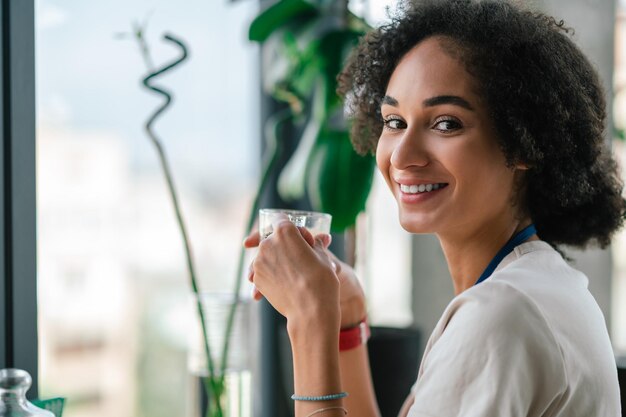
pixel 438 150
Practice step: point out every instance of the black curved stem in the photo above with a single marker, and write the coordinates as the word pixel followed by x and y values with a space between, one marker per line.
pixel 216 383
pixel 216 380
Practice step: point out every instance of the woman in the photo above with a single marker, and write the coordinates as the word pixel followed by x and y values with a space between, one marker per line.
pixel 487 123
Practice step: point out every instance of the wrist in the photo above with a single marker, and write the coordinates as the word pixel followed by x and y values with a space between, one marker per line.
pixel 353 310
pixel 355 336
pixel 316 328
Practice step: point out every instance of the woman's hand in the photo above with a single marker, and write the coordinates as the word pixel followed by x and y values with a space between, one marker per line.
pixel 296 275
pixel 351 298
pixel 351 295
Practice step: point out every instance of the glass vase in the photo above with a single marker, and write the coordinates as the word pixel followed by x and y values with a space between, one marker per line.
pixel 230 383
pixel 13 386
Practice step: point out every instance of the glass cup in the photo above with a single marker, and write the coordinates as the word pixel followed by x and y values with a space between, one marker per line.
pixel 316 223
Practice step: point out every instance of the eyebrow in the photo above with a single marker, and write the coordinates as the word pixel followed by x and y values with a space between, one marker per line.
pixel 390 100
pixel 434 101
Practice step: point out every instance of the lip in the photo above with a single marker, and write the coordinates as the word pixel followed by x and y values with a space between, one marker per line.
pixel 415 181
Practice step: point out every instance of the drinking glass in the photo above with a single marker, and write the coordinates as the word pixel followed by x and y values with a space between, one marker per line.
pixel 317 223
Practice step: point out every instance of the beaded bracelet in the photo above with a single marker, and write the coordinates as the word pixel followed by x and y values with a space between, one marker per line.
pixel 320 398
pixel 321 410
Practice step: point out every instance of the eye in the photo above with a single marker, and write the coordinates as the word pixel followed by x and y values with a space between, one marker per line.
pixel 447 124
pixel 394 123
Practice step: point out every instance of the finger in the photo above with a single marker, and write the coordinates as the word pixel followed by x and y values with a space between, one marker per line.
pixel 256 294
pixel 280 219
pixel 250 273
pixel 337 266
pixel 335 261
pixel 321 243
pixel 307 235
pixel 321 246
pixel 281 228
pixel 252 240
pixel 325 239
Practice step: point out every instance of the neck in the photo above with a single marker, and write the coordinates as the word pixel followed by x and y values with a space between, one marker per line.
pixel 469 254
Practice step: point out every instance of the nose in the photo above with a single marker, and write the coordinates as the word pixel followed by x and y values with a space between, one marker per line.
pixel 410 151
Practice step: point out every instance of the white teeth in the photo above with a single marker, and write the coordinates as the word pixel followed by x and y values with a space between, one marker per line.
pixel 415 189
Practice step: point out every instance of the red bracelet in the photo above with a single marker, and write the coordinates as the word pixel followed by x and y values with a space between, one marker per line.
pixel 354 336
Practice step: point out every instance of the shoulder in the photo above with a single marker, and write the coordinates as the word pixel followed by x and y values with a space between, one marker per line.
pixel 496 310
pixel 497 325
pixel 539 261
pixel 493 344
pixel 513 301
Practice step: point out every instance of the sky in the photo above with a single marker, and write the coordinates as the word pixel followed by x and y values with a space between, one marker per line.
pixel 89 80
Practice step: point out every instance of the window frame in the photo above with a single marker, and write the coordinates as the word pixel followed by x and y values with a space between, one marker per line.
pixel 18 254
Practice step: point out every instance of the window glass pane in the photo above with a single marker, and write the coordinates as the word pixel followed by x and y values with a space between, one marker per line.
pixel 384 259
pixel 114 295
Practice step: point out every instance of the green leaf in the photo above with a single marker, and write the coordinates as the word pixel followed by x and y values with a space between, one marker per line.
pixel 292 180
pixel 339 180
pixel 334 49
pixel 292 65
pixel 304 62
pixel 279 14
pixel 305 74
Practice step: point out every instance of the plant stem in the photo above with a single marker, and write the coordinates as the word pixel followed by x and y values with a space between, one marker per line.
pixel 211 381
pixel 215 382
pixel 273 124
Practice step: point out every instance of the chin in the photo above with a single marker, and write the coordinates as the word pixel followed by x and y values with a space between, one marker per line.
pixel 415 224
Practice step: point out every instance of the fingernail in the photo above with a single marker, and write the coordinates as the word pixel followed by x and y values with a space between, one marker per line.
pixel 326 239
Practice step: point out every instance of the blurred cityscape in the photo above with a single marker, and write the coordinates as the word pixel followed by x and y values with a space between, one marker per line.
pixel 114 295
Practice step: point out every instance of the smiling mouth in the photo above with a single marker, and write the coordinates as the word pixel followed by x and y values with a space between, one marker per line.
pixel 422 188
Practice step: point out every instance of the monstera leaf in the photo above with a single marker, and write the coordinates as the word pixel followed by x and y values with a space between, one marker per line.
pixel 333 50
pixel 279 14
pixel 339 179
pixel 306 44
pixel 292 179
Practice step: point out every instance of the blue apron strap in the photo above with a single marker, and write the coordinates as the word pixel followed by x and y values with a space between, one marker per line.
pixel 519 238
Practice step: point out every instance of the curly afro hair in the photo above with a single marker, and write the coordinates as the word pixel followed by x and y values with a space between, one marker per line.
pixel 544 97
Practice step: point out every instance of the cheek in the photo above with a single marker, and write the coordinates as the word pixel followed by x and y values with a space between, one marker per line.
pixel 383 161
pixel 477 158
pixel 490 181
pixel 482 171
pixel 383 156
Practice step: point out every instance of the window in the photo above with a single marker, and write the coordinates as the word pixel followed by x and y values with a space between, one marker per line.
pixel 113 289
